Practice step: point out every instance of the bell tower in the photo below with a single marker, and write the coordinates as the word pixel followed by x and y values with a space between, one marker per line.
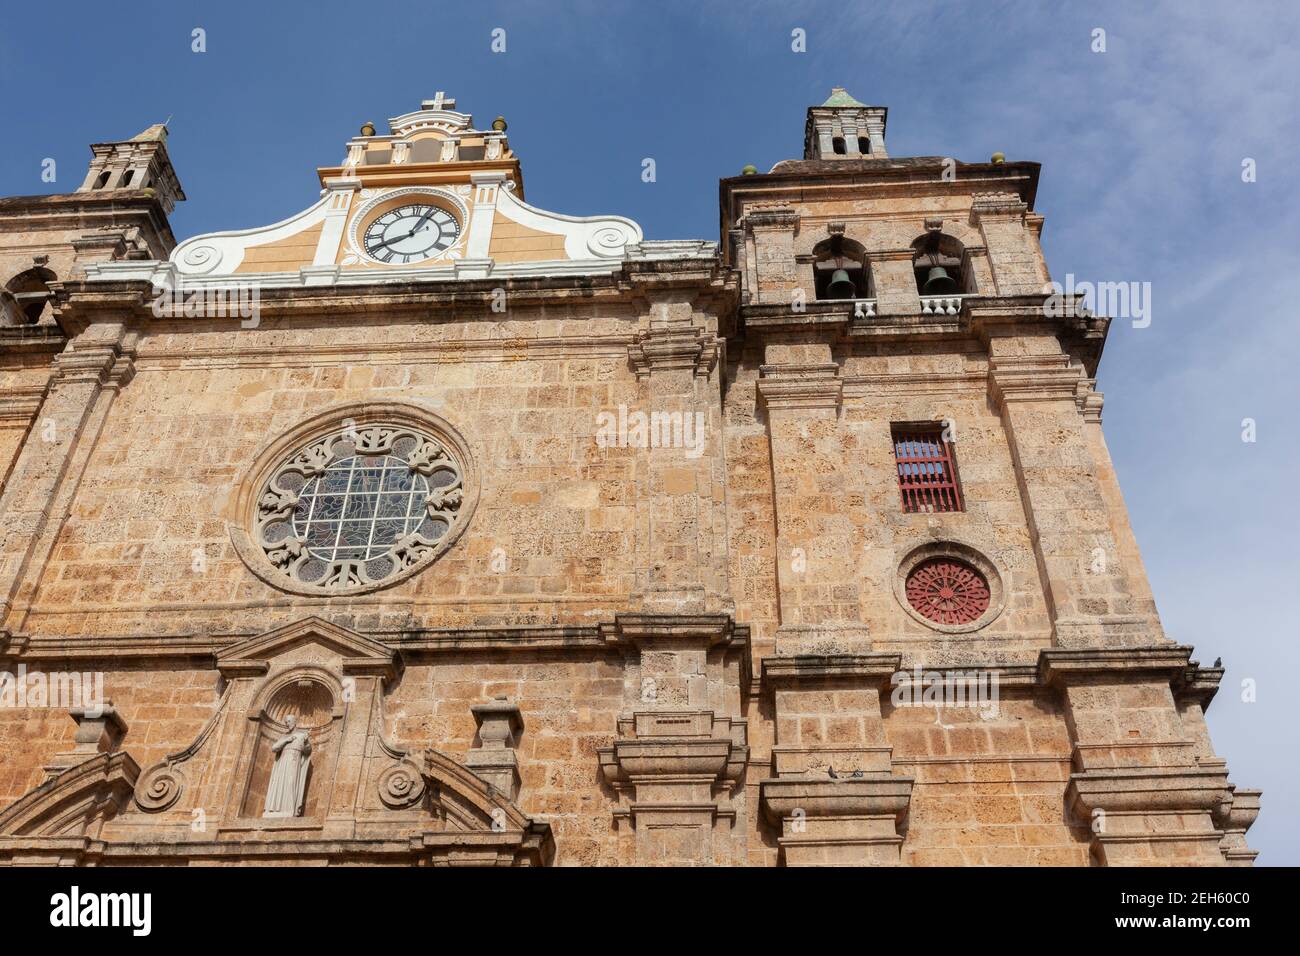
pixel 943 501
pixel 137 163
pixel 843 128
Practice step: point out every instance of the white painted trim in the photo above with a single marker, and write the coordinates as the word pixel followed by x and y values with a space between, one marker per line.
pixel 447 121
pixel 167 274
pixel 486 186
pixel 220 253
pixel 331 234
pixel 604 237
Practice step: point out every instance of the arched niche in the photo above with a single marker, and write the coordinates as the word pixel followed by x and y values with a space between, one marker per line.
pixel 313 698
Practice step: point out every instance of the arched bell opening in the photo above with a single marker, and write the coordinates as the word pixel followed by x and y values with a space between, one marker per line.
pixel 840 270
pixel 939 263
pixel 26 297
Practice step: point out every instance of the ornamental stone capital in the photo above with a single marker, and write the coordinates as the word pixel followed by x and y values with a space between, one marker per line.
pixel 674 773
pixel 838 822
pixel 801 387
pixel 1033 378
pixel 997 204
pixel 688 348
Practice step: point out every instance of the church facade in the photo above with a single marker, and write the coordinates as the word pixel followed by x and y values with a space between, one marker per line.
pixel 430 527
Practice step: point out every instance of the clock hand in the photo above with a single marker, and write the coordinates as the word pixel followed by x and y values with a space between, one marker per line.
pixel 394 239
pixel 414 230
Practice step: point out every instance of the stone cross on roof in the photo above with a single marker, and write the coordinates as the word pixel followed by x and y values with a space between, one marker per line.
pixel 440 101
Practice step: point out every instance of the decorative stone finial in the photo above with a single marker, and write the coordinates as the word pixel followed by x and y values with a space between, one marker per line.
pixel 499 124
pixel 748 170
pixel 999 157
pixel 367 129
pixel 100 729
pixel 494 760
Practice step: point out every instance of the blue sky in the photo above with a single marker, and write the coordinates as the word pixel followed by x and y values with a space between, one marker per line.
pixel 1141 146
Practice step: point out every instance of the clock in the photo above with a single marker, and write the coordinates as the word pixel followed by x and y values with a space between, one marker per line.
pixel 411 233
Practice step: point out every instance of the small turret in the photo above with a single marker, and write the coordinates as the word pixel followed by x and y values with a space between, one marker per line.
pixel 137 163
pixel 843 128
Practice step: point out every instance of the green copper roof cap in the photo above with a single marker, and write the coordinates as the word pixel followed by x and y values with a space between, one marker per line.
pixel 840 97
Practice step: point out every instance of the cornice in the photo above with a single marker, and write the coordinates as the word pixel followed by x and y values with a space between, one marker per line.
pixel 30 340
pixel 873 670
pixel 421 174
pixel 794 387
pixel 624 633
pixel 205 649
pixel 1059 666
pixel 82 211
pixel 612 282
pixel 804 180
pixel 19 405
pixel 275 354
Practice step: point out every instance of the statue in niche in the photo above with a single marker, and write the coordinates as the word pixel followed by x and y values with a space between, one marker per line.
pixel 288 786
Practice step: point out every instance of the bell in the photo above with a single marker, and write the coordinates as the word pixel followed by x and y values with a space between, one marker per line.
pixel 938 282
pixel 841 286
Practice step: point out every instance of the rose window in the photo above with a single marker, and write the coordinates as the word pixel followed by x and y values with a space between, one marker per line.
pixel 947 591
pixel 359 506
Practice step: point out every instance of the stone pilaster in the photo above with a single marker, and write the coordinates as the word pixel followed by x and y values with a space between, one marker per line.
pixel 817 572
pixel 772 231
pixel 1092 596
pixel 833 792
pixel 39 493
pixel 894 282
pixel 681 564
pixel 1138 780
pixel 681 749
pixel 1013 252
pixel 1193 692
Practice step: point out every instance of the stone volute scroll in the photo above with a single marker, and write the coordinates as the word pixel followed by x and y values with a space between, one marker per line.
pixel 294 760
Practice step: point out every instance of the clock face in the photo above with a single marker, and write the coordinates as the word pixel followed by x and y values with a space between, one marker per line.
pixel 411 233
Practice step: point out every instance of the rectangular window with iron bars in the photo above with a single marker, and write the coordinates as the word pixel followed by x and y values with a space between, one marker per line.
pixel 927 469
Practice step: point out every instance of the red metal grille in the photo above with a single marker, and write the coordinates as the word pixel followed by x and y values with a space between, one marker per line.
pixel 927 470
pixel 947 591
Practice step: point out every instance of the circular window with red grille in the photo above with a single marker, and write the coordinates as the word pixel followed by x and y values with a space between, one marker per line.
pixel 947 591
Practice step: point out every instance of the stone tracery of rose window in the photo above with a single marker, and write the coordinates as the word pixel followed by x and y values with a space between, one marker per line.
pixel 359 506
pixel 948 591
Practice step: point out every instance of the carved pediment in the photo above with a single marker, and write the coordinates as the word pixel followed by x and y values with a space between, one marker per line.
pixel 76 802
pixel 293 760
pixel 355 653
